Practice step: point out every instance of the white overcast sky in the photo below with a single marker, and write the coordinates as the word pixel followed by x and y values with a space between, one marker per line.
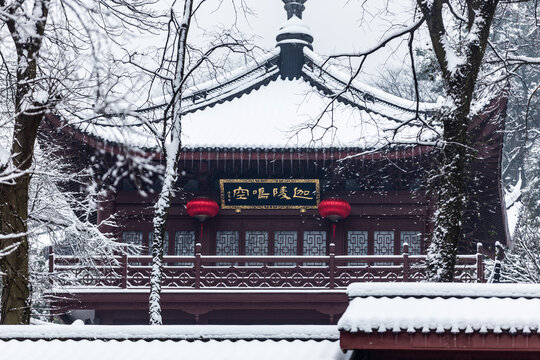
pixel 337 25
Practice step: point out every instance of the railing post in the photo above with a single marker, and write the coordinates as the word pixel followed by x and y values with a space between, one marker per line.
pixel 197 265
pixel 51 264
pixel 332 264
pixel 479 263
pixel 405 262
pixel 124 269
pixel 499 257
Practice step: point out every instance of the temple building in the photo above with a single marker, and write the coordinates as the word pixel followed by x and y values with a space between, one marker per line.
pixel 295 181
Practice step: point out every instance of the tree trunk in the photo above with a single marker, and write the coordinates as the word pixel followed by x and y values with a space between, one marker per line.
pixel 160 221
pixel 14 220
pixel 171 153
pixel 14 265
pixel 450 185
pixel 459 76
pixel 14 197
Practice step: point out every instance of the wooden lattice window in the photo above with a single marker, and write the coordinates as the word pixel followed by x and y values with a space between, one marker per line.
pixel 414 239
pixel 227 243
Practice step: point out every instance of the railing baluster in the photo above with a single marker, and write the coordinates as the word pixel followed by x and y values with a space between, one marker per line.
pixel 197 265
pixel 51 264
pixel 332 265
pixel 124 269
pixel 405 262
pixel 479 263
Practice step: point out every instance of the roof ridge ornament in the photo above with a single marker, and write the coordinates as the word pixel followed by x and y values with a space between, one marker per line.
pixel 294 8
pixel 292 37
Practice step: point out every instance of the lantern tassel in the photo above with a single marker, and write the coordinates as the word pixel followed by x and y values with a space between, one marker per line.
pixel 202 227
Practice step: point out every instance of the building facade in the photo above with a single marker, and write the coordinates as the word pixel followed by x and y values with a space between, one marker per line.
pixel 268 142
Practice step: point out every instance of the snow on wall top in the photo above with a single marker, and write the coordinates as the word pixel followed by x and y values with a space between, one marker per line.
pixel 440 315
pixel 444 290
pixel 185 350
pixel 171 332
pixel 439 308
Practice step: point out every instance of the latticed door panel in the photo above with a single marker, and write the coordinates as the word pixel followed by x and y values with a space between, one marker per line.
pixel 357 244
pixel 383 243
pixel 256 244
pixel 414 239
pixel 227 243
pixel 132 237
pixel 314 244
pixel 285 244
pixel 184 243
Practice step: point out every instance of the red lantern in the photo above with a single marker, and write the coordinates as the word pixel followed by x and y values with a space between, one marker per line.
pixel 202 209
pixel 334 210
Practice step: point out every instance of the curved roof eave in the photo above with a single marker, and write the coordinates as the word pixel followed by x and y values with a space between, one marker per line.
pixel 335 82
pixel 327 79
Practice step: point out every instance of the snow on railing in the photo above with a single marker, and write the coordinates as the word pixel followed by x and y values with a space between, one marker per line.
pixel 262 272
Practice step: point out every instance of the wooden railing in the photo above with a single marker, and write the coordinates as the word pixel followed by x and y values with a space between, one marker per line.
pixel 261 272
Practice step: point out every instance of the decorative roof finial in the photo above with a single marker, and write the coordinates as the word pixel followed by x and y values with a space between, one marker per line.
pixel 292 37
pixel 294 8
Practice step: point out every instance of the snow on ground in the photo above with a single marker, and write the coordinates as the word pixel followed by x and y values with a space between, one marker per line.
pixel 185 350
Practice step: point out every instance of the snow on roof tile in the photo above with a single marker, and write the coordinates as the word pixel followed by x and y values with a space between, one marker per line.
pixel 283 113
pixel 363 94
pixel 280 114
pixel 436 307
pixel 289 114
pixel 235 76
pixel 171 332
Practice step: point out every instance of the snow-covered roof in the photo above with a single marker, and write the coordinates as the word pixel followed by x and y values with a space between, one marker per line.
pixel 288 114
pixel 90 342
pixel 263 105
pixel 442 307
pixel 280 114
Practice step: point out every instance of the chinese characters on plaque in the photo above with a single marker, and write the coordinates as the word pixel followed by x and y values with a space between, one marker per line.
pixel 269 193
